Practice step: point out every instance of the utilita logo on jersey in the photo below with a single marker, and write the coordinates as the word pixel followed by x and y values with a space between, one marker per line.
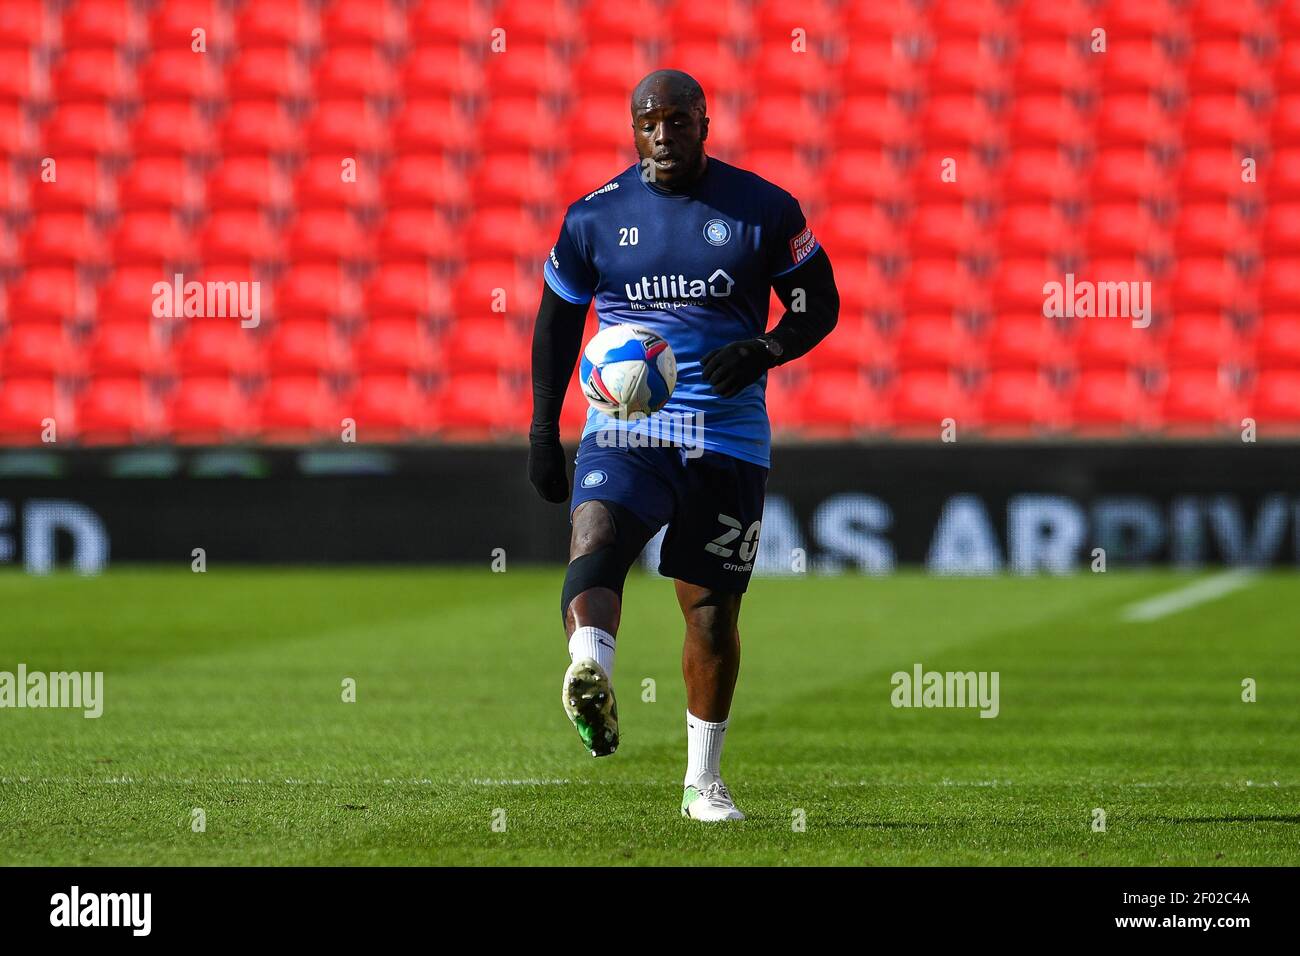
pixel 673 292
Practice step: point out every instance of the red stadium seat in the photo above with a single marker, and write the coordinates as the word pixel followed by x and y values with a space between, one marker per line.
pixel 946 231
pixel 1113 343
pixel 118 411
pixel 330 236
pixel 527 71
pixel 859 229
pixel 173 24
pixel 173 129
pixel 430 126
pixel 63 239
pixel 28 23
pixel 611 67
pixel 128 349
pixel 419 235
pixel 80 185
pixel 354 73
pixel 1198 399
pixel 476 404
pixel 218 348
pixel 726 21
pixel 105 24
pixel 40 351
pixel 511 179
pixel 240 237
pixel 498 233
pixel 1014 401
pixel 347 128
pixel 85 129
pixel 1208 229
pixel 94 76
pixel 128 294
pixel 440 72
pixel 1274 403
pixel 299 409
pixel 539 21
pixel 1048 122
pixel 210 410
pixel 1137 121
pixel 1025 342
pixel 1277 342
pixel 320 185
pixel 260 129
pixel 24 77
pixel 934 342
pixel 1122 230
pixel 162 183
pixel 855 176
pixel 293 23
pixel 26 406
pixel 154 239
pixel 1131 174
pixel 388 408
pixel 270 73
pixel 181 74
pixel 317 291
pixel 1224 120
pixel 448 22
pixel 405 290
pixel 424 181
pixel 485 345
pixel 923 399
pixel 307 348
pixel 873 121
pixel 938 287
pixel 1052 67
pixel 376 23
pixel 250 183
pixel 396 345
pixel 19 137
pixel 1110 401
pixel 45 295
pixel 1037 176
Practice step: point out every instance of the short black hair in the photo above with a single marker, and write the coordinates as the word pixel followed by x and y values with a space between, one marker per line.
pixel 681 88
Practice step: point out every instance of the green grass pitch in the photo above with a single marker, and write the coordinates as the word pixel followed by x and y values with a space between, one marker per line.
pixel 224 693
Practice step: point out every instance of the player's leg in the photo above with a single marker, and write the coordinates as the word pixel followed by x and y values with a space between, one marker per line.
pixel 709 548
pixel 619 500
pixel 605 541
pixel 710 665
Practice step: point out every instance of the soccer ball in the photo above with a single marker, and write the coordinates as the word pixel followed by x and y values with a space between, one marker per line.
pixel 627 371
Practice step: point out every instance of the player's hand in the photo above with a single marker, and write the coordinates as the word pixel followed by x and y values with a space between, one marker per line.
pixel 733 368
pixel 546 468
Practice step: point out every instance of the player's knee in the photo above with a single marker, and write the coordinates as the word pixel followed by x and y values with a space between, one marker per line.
pixel 593 529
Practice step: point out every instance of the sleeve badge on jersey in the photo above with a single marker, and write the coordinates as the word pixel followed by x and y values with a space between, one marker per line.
pixel 802 245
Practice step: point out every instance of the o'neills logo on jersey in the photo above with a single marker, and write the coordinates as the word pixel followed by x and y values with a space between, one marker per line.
pixel 678 287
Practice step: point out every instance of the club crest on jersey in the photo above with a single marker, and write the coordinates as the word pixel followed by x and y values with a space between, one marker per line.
pixel 717 232
pixel 593 478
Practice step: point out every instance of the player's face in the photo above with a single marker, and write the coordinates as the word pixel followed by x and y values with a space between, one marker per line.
pixel 672 137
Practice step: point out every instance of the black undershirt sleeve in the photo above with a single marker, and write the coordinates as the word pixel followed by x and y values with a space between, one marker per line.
pixel 798 332
pixel 557 339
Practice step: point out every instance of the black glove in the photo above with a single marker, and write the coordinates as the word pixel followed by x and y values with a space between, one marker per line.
pixel 546 467
pixel 735 367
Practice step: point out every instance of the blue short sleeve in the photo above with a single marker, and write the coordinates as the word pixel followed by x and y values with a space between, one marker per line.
pixel 568 270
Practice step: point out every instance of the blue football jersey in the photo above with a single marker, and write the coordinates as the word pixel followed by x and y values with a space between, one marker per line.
pixel 695 268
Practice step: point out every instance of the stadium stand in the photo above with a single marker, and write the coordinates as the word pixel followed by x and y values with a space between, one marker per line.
pixel 392 180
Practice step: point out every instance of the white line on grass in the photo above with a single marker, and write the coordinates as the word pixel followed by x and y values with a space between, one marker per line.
pixel 1207 589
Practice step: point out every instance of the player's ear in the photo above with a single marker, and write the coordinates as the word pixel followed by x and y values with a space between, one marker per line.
pixel 704 129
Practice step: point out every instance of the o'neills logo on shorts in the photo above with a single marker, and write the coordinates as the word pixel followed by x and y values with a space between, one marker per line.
pixel 801 246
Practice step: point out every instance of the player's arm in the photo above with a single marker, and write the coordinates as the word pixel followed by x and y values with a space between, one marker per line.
pixel 557 339
pixel 812 308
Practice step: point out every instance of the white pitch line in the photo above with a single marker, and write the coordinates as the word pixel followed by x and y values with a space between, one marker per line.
pixel 1207 589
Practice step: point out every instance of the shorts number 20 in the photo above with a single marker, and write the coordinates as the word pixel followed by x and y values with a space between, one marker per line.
pixel 748 544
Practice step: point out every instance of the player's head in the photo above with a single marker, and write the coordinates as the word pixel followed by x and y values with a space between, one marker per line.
pixel 670 124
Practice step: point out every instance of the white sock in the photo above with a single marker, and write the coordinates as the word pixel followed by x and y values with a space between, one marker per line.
pixel 703 750
pixel 594 643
